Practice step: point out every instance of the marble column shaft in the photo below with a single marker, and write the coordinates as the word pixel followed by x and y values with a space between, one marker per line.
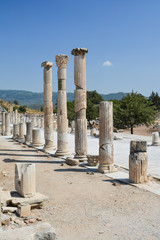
pixel 3 123
pixel 80 102
pixel 7 124
pixel 29 128
pixel 48 106
pixel 62 121
pixel 15 130
pixel 106 160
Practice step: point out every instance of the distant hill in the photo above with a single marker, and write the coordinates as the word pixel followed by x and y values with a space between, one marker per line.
pixel 35 100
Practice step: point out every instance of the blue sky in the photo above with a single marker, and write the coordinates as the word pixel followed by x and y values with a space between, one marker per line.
pixel 122 37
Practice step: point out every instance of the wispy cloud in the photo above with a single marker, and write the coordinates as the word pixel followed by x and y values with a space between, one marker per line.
pixel 107 63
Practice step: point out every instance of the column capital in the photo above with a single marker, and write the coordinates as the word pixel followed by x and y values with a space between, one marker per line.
pixel 61 61
pixel 79 51
pixel 46 64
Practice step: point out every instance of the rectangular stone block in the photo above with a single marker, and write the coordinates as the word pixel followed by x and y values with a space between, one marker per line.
pixel 25 179
pixel 24 210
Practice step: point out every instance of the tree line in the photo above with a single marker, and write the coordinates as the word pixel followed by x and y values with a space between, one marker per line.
pixel 132 110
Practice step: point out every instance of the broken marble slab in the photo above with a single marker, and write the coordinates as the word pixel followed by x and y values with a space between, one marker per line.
pixel 15 199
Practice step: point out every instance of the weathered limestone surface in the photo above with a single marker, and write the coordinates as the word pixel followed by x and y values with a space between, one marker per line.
pixel 16 116
pixel 15 130
pixel 36 137
pixel 73 127
pixel 22 132
pixel 62 121
pixel 138 162
pixel 80 103
pixel 29 128
pixel 7 124
pixel 25 179
pixel 3 123
pixel 155 139
pixel 11 113
pixel 48 106
pixel 106 161
pixel 0 206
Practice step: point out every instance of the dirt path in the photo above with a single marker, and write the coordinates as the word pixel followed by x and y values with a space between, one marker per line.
pixel 82 206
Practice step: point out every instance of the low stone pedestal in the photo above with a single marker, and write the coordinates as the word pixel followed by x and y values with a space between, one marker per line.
pixel 25 179
pixel 28 138
pixel 138 162
pixel 155 139
pixel 92 160
pixel 36 138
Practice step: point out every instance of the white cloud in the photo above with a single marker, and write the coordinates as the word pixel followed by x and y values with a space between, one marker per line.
pixel 107 63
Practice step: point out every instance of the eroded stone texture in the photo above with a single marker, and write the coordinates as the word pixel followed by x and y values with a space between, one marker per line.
pixel 16 116
pixel 11 113
pixel 62 121
pixel 155 139
pixel 3 123
pixel 22 132
pixel 48 106
pixel 36 137
pixel 25 179
pixel 106 160
pixel 138 161
pixel 80 103
pixel 7 124
pixel 93 132
pixel 73 127
pixel 15 130
pixel 29 127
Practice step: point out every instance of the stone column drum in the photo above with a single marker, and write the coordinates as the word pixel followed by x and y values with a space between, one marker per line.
pixel 138 161
pixel 29 128
pixel 16 116
pixel 48 106
pixel 80 103
pixel 7 124
pixel 36 137
pixel 3 123
pixel 155 139
pixel 25 179
pixel 106 160
pixel 15 130
pixel 22 132
pixel 62 121
pixel 11 113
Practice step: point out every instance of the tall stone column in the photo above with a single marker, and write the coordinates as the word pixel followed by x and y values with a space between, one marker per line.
pixel 16 116
pixel 3 122
pixel 48 106
pixel 29 128
pixel 62 121
pixel 106 160
pixel 11 113
pixel 7 124
pixel 80 103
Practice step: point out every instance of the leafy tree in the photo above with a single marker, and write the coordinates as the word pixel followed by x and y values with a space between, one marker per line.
pixel 155 99
pixel 132 110
pixel 22 109
pixel 15 102
pixel 95 97
pixel 70 111
pixel 41 108
pixel 15 107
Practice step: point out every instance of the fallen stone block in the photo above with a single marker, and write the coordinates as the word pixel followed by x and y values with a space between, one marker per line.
pixel 24 210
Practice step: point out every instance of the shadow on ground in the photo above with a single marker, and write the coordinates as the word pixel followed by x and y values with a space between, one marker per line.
pixel 9 160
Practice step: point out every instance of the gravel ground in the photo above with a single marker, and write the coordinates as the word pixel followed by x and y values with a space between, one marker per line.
pixel 84 206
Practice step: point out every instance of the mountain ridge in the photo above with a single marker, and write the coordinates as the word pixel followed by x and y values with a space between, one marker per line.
pixel 35 99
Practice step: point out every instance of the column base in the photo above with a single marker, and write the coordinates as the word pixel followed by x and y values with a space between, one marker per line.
pixel 107 168
pixel 62 153
pixel 37 144
pixel 49 147
pixel 81 158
